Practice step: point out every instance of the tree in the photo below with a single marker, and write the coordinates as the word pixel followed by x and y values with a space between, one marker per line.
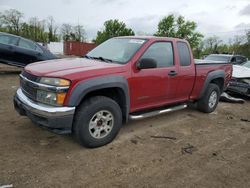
pixel 11 20
pixel 35 30
pixel 171 26
pixel 52 30
pixel 166 27
pixel 66 31
pixel 211 44
pixel 79 33
pixel 248 36
pixel 113 28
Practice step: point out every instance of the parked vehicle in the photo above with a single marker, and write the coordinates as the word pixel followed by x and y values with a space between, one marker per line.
pixel 123 78
pixel 240 83
pixel 18 51
pixel 247 64
pixel 234 59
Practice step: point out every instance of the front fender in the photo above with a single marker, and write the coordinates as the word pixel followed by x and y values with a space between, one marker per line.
pixel 87 86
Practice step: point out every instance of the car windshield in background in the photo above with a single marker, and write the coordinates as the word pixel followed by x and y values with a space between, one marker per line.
pixel 218 58
pixel 118 50
pixel 247 64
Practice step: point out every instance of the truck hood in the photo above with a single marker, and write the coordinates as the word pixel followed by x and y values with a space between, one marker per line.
pixel 70 67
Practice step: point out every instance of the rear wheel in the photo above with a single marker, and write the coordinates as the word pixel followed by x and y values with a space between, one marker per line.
pixel 97 121
pixel 210 99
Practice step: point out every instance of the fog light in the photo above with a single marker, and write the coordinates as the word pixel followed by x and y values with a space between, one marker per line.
pixel 46 97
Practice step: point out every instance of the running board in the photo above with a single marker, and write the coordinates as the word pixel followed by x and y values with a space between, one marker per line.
pixel 158 112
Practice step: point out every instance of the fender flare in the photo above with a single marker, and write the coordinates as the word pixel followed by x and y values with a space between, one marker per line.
pixel 87 86
pixel 211 76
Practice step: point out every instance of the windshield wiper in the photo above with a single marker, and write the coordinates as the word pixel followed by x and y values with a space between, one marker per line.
pixel 98 58
pixel 88 57
pixel 102 59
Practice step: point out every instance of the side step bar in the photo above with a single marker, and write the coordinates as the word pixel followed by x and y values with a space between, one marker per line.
pixel 158 112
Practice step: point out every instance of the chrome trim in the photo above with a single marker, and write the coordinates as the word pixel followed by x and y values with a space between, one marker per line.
pixel 158 112
pixel 42 109
pixel 45 86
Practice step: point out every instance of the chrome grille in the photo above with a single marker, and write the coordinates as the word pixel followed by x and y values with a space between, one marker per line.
pixel 28 88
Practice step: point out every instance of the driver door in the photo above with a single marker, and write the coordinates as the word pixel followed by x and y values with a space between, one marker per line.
pixel 150 87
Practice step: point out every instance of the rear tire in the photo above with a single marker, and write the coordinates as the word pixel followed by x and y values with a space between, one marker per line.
pixel 97 121
pixel 210 99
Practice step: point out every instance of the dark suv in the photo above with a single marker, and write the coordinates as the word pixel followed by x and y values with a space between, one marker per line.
pixel 18 51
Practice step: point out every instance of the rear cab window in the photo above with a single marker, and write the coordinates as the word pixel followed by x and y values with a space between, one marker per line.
pixel 184 54
pixel 162 53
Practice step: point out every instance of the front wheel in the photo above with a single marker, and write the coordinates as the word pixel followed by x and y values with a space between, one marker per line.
pixel 97 121
pixel 210 99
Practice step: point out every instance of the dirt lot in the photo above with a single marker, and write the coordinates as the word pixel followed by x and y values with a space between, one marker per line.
pixel 210 150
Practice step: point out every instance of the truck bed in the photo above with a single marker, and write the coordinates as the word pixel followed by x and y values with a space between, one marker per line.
pixel 203 68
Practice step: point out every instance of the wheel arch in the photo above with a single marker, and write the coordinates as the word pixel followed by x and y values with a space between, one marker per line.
pixel 114 87
pixel 216 77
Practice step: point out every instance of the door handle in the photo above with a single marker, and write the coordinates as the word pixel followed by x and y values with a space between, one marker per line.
pixel 172 73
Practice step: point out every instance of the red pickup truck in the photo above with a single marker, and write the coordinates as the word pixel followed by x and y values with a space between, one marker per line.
pixel 123 78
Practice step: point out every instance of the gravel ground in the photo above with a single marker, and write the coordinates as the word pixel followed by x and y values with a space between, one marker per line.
pixel 196 150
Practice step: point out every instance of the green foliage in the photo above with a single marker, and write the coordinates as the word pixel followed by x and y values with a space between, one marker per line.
pixel 79 33
pixel 237 45
pixel 66 31
pixel 11 20
pixel 52 36
pixel 113 28
pixel 170 26
pixel 35 29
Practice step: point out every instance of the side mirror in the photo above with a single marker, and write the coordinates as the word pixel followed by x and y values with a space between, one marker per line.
pixel 146 63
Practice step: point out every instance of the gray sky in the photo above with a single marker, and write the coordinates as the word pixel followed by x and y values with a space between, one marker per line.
pixel 224 18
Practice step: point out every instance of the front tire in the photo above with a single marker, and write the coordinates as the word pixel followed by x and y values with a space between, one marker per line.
pixel 210 99
pixel 97 121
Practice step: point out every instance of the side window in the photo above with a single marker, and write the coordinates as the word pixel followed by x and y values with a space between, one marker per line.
pixel 184 54
pixel 162 53
pixel 39 49
pixel 5 39
pixel 240 59
pixel 233 60
pixel 27 44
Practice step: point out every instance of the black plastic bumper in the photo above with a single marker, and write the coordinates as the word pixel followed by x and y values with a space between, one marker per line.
pixel 239 88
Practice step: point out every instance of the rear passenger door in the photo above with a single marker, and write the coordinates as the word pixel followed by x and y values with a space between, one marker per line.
pixel 186 72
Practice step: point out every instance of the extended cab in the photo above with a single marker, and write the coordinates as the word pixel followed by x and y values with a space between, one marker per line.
pixel 123 78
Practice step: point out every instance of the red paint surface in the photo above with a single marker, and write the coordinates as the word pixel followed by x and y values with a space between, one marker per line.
pixel 147 88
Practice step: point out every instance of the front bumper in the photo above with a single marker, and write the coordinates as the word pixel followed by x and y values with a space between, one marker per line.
pixel 48 116
pixel 239 88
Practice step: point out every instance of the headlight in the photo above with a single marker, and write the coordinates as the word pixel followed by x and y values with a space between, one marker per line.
pixel 246 81
pixel 54 81
pixel 47 97
pixel 52 96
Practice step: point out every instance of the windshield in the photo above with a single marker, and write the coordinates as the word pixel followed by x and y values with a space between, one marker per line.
pixel 247 64
pixel 218 58
pixel 118 50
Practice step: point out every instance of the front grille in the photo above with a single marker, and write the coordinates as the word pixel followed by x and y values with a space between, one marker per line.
pixel 28 87
pixel 30 76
